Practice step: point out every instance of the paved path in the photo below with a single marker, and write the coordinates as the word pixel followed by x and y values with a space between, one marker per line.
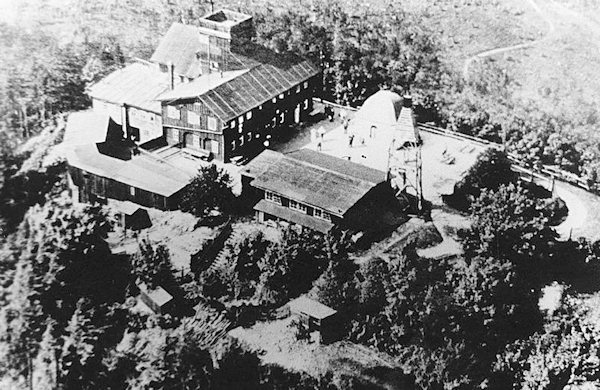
pixel 524 45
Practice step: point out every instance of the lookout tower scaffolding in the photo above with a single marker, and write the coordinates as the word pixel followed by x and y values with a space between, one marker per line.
pixel 405 172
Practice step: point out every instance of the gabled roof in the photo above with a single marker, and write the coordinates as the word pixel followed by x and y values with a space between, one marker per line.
pixel 327 182
pixel 179 47
pixel 136 84
pixel 255 87
pixel 261 163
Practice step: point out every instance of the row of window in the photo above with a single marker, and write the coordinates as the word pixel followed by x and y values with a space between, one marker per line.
pixel 248 115
pixel 272 197
pixel 192 118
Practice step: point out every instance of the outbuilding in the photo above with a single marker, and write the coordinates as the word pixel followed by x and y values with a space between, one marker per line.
pixel 316 317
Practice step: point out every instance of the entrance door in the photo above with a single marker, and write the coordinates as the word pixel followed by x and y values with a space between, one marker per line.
pixel 297 114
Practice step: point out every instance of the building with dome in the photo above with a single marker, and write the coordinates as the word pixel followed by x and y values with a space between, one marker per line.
pixel 386 112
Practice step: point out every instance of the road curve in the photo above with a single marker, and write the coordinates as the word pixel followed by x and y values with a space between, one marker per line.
pixel 524 45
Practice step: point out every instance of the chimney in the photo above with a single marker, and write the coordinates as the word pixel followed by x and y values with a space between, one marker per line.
pixel 124 121
pixel 171 75
pixel 407 101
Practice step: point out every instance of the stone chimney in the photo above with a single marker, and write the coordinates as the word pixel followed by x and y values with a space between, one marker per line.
pixel 171 75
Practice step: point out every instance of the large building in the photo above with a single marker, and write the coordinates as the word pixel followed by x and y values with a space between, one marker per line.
pixel 208 91
pixel 318 191
pixel 229 96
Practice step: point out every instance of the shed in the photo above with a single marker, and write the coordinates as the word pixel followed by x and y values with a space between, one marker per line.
pixel 157 299
pixel 316 317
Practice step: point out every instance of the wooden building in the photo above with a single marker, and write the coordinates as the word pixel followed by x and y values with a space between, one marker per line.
pixel 128 96
pixel 317 191
pixel 229 96
pixel 316 317
pixel 116 169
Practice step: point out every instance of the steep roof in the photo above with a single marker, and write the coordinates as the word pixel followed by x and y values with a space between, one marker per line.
pixel 143 171
pixel 137 84
pixel 332 184
pixel 407 129
pixel 179 47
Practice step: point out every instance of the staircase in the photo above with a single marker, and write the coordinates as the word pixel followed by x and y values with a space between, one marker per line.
pixel 221 258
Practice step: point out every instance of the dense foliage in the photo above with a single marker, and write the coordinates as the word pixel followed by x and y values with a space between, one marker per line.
pixel 209 191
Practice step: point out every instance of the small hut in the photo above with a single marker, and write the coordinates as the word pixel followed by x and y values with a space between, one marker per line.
pixel 157 299
pixel 316 317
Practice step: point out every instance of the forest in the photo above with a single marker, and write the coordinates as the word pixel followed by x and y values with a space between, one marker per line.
pixel 66 320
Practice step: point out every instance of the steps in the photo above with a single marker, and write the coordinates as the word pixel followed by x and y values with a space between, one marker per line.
pixel 221 258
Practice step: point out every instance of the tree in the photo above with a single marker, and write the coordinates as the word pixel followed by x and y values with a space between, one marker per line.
pixel 509 224
pixel 152 265
pixel 209 190
pixel 336 287
pixel 566 352
pixel 290 266
pixel 491 170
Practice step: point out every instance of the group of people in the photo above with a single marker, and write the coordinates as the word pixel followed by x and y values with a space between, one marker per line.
pixel 330 114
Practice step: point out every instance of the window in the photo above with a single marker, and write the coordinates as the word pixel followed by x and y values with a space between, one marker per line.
pixel 274 100
pixel 241 119
pixel 281 117
pixel 212 123
pixel 297 206
pixel 131 191
pixel 232 125
pixel 173 112
pixel 327 217
pixel 298 89
pixel 175 135
pixel 249 136
pixel 260 107
pixel 280 96
pixel 272 197
pixel 214 147
pixel 193 118
pixel 249 115
pixel 232 145
pixel 305 84
pixel 306 104
pixel 242 140
pixel 274 121
pixel 163 68
pixel 182 79
pixel 318 213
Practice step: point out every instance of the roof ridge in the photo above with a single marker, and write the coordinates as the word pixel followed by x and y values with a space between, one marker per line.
pixel 331 170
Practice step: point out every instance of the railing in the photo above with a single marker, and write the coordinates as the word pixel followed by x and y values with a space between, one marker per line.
pixel 550 172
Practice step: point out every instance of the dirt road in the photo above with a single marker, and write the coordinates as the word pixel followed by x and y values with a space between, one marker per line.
pixel 524 45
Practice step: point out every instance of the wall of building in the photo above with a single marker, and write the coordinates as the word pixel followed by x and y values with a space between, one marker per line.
pixel 244 135
pixel 148 123
pixel 93 187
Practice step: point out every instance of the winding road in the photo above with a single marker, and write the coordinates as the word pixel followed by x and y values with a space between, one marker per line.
pixel 504 49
